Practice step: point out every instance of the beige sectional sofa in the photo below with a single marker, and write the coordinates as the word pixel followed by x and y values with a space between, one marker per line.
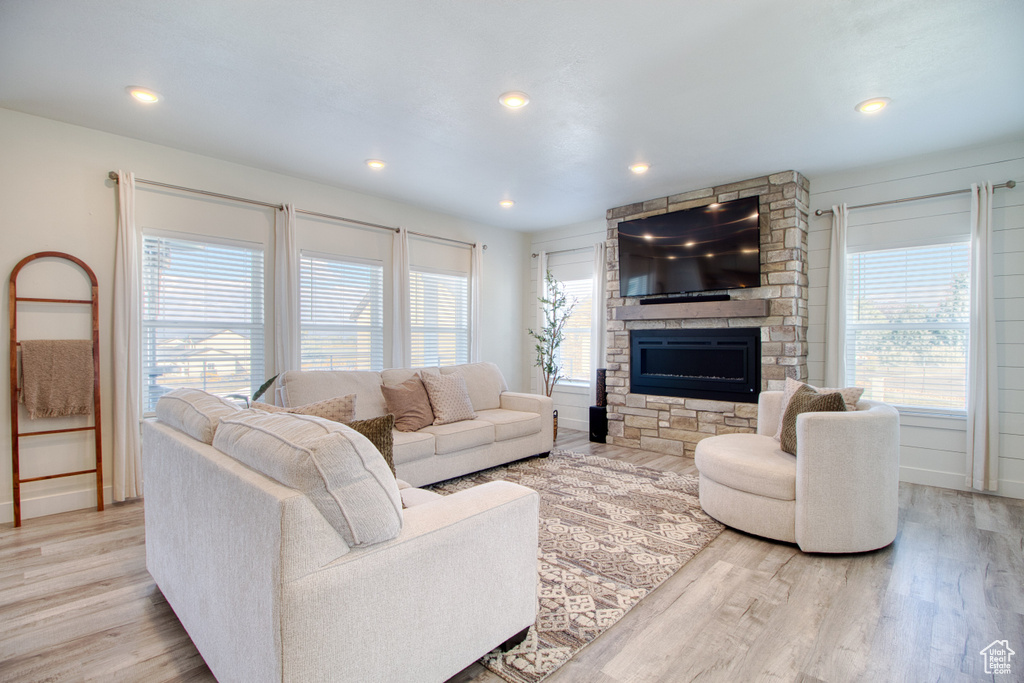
pixel 509 425
pixel 271 586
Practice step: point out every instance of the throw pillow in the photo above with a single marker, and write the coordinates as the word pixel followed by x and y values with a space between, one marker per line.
pixel 806 400
pixel 449 398
pixel 336 467
pixel 409 404
pixel 339 408
pixel 194 411
pixel 850 396
pixel 378 431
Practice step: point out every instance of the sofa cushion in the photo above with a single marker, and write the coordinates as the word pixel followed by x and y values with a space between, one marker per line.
pixel 449 398
pixel 459 436
pixel 748 462
pixel 484 383
pixel 379 431
pixel 411 446
pixel 340 471
pixel 409 404
pixel 301 387
pixel 510 424
pixel 194 411
pixel 394 376
pixel 339 408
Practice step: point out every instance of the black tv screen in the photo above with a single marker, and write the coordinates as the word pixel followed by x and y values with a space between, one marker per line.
pixel 709 248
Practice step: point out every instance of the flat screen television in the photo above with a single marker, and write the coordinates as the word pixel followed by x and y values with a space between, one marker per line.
pixel 709 248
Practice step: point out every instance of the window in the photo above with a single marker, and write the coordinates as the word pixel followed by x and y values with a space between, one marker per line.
pixel 202 317
pixel 907 320
pixel 574 353
pixel 341 313
pixel 439 307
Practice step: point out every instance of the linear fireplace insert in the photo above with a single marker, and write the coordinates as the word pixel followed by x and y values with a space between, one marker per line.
pixel 723 365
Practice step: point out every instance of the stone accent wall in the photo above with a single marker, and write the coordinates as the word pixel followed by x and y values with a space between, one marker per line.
pixel 674 425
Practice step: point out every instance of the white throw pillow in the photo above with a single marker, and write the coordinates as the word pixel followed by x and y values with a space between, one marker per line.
pixel 194 411
pixel 850 396
pixel 449 398
pixel 345 477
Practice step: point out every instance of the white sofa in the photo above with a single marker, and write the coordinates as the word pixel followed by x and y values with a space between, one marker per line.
pixel 268 590
pixel 838 494
pixel 509 426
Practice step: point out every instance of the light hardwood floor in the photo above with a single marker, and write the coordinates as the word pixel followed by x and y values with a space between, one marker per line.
pixel 77 604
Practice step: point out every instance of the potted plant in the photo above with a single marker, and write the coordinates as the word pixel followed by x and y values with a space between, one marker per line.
pixel 557 308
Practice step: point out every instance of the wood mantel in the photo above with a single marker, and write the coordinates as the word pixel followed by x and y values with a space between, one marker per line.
pixel 746 308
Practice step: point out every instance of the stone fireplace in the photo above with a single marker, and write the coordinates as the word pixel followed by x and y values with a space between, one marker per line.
pixel 693 376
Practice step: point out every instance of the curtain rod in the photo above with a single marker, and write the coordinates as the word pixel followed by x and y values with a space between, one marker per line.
pixel 1009 184
pixel 113 176
pixel 563 251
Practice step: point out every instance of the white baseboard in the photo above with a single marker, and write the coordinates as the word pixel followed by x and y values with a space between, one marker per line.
pixel 954 480
pixel 52 503
pixel 581 425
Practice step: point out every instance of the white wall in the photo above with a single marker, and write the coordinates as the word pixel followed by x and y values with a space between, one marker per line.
pixel 576 242
pixel 56 196
pixel 933 448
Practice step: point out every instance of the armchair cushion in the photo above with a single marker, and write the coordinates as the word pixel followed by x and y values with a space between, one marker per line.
pixel 851 395
pixel 806 400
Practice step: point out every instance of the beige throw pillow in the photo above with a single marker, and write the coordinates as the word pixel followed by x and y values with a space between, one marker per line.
pixel 449 398
pixel 806 400
pixel 409 404
pixel 339 408
pixel 850 396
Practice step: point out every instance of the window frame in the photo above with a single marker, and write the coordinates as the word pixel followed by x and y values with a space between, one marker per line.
pixel 848 380
pixel 412 327
pixel 339 258
pixel 144 325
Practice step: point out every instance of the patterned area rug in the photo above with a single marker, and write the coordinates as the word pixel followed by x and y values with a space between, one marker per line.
pixel 610 533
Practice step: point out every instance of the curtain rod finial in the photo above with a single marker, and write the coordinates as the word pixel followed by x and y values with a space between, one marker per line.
pixel 113 176
pixel 1011 184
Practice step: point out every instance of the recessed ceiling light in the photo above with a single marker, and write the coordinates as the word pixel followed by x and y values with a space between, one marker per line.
pixel 144 95
pixel 639 168
pixel 515 99
pixel 506 203
pixel 375 164
pixel 874 105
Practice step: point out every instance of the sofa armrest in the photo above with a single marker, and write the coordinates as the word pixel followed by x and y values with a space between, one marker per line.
pixel 529 403
pixel 847 479
pixel 458 581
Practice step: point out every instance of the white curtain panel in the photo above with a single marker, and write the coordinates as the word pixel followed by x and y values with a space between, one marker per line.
pixel 835 323
pixel 401 338
pixel 542 269
pixel 476 273
pixel 598 314
pixel 127 461
pixel 286 292
pixel 982 364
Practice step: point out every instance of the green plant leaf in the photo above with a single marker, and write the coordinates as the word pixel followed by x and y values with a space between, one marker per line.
pixel 263 387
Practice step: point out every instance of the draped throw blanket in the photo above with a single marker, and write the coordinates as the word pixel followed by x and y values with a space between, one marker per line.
pixel 57 377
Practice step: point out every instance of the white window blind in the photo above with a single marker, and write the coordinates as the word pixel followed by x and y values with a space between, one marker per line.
pixel 341 313
pixel 907 325
pixel 439 312
pixel 574 353
pixel 202 317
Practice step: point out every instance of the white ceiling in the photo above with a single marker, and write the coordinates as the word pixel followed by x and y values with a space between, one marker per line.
pixel 706 91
